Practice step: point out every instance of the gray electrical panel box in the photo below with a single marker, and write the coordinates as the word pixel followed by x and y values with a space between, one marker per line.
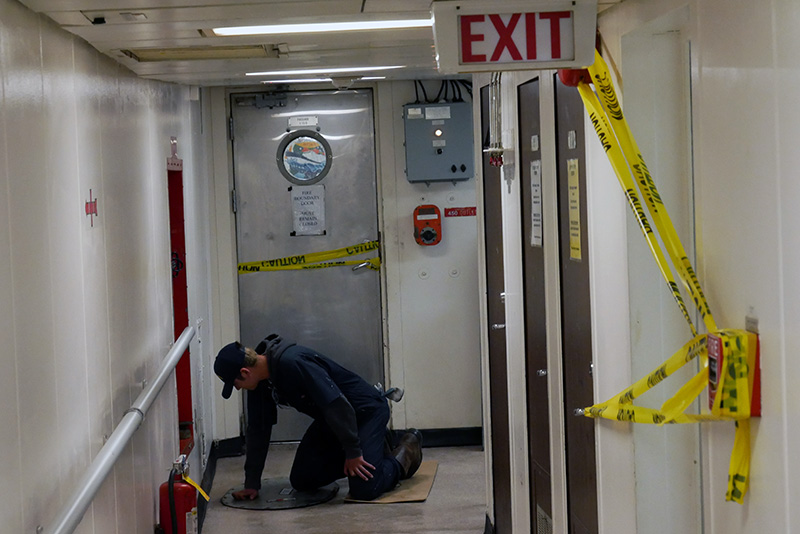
pixel 438 142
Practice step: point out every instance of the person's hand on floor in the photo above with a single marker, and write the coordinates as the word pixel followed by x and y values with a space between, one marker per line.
pixel 245 494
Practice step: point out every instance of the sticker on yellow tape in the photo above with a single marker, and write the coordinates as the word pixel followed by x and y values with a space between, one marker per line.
pixel 317 260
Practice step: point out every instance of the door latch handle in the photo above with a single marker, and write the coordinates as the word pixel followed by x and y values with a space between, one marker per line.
pixel 498 326
pixel 541 372
pixel 360 266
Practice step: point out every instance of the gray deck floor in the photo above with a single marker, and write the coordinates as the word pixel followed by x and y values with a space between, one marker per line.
pixel 456 504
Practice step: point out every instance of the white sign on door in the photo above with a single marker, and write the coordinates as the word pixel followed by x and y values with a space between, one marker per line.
pixel 536 203
pixel 308 209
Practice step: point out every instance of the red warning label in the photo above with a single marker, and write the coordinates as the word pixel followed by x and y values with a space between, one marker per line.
pixel 460 212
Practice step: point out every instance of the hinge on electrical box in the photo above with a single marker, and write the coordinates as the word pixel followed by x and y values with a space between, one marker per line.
pixel 233 200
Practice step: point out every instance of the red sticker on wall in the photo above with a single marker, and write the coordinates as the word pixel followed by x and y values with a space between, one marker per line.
pixel 460 212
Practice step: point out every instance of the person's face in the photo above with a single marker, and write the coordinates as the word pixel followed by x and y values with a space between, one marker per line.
pixel 247 379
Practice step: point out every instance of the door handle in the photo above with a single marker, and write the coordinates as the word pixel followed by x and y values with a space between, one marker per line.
pixel 498 326
pixel 360 266
pixel 541 372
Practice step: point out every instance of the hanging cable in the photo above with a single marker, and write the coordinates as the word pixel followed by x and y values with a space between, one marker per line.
pixel 457 91
pixel 467 86
pixel 439 94
pixel 424 92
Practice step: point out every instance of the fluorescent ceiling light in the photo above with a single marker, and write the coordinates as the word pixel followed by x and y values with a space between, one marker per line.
pixel 273 29
pixel 298 80
pixel 321 80
pixel 307 112
pixel 320 71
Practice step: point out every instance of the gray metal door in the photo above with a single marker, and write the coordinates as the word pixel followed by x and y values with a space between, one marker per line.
pixel 305 182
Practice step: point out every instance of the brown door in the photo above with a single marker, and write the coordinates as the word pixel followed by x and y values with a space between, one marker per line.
pixel 576 317
pixel 535 319
pixel 495 286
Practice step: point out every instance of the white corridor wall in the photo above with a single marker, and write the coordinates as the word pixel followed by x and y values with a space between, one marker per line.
pixel 745 116
pixel 86 311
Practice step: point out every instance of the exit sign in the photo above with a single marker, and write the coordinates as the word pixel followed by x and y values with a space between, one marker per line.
pixel 476 36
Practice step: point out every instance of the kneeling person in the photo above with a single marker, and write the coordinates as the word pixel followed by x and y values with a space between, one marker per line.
pixel 348 434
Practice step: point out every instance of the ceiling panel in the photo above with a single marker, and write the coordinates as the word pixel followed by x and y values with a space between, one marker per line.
pixel 115 27
pixel 265 13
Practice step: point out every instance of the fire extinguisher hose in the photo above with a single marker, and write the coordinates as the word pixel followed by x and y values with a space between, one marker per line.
pixel 172 512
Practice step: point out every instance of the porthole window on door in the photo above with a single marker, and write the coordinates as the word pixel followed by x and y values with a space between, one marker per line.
pixel 304 157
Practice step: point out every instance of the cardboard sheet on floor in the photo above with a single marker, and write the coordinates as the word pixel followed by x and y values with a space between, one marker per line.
pixel 278 494
pixel 415 489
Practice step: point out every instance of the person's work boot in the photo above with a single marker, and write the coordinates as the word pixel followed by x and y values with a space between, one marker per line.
pixel 409 452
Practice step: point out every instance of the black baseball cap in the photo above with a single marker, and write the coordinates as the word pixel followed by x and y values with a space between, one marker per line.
pixel 228 365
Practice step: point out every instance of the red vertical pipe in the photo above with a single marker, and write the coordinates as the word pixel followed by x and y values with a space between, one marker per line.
pixel 180 301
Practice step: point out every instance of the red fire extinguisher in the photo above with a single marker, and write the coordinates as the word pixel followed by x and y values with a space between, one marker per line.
pixel 178 501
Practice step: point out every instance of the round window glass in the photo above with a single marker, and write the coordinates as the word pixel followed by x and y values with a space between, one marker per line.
pixel 304 157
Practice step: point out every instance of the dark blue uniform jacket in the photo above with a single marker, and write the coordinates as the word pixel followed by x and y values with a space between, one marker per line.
pixel 312 384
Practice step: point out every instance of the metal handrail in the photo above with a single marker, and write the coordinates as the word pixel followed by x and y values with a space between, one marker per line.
pixel 72 513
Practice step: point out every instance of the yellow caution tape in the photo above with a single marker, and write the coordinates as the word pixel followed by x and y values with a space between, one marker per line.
pixel 613 112
pixel 620 166
pixel 620 407
pixel 739 468
pixel 732 400
pixel 196 486
pixel 735 390
pixel 316 260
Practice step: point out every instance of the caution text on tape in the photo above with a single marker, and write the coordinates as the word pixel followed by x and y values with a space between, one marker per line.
pixel 316 260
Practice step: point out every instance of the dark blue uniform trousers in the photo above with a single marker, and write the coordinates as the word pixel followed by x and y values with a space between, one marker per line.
pixel 320 458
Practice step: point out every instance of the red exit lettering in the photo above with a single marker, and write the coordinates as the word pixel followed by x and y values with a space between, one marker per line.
pixel 467 38
pixel 514 34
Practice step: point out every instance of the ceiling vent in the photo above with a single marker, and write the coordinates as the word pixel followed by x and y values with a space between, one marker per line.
pixel 191 53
